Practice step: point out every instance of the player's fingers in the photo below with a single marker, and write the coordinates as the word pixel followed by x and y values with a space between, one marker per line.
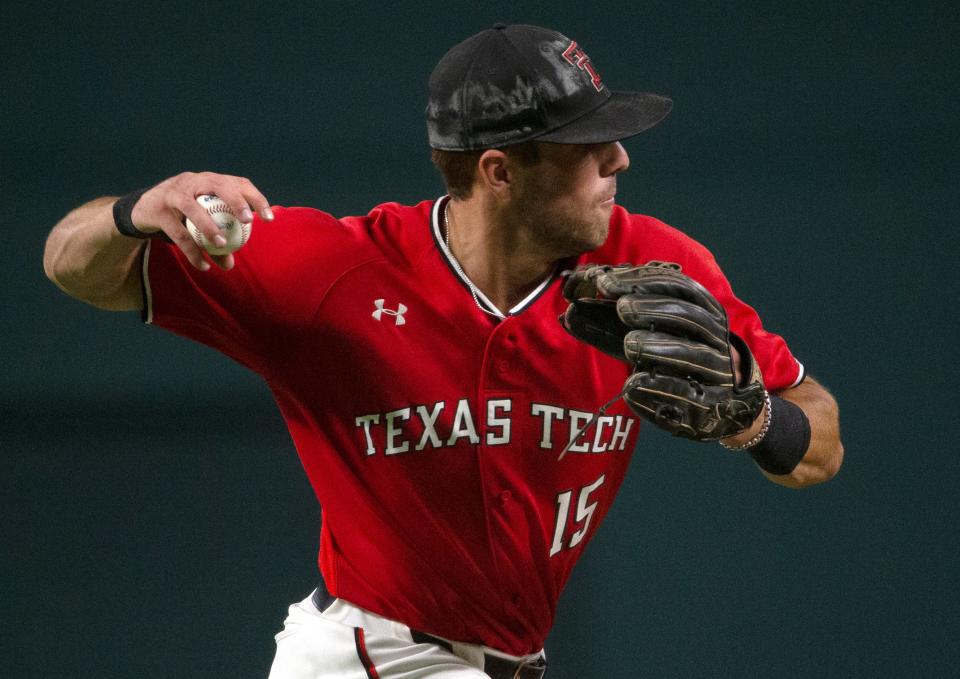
pixel 241 196
pixel 201 219
pixel 737 362
pixel 255 199
pixel 228 189
pixel 225 262
pixel 183 240
pixel 678 356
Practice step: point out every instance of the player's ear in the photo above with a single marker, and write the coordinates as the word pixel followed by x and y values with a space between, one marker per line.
pixel 493 171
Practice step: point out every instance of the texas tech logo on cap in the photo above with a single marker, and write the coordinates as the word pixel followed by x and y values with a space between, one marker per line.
pixel 577 57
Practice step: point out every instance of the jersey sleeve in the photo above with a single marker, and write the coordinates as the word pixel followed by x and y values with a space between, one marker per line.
pixel 659 241
pixel 274 289
pixel 780 369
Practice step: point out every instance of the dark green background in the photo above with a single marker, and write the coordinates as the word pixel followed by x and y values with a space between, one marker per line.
pixel 155 520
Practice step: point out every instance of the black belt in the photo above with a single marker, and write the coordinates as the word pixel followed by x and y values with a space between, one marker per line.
pixel 495 666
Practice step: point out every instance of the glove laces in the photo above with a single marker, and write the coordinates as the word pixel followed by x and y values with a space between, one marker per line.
pixel 592 421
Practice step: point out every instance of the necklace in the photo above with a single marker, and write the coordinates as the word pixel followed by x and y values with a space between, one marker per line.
pixel 456 265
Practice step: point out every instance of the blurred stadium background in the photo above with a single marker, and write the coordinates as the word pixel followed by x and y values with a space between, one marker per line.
pixel 155 518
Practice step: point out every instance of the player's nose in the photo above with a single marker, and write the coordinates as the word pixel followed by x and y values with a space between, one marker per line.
pixel 616 159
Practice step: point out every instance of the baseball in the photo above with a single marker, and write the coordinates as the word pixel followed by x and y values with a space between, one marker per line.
pixel 236 232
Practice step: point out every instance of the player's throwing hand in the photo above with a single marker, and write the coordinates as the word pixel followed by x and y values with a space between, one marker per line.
pixel 164 207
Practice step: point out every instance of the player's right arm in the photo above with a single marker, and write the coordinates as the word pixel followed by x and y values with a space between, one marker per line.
pixel 90 260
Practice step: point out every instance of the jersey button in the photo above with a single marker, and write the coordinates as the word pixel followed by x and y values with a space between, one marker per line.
pixel 503 367
pixel 505 497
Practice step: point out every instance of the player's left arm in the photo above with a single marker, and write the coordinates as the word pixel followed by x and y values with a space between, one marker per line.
pixel 824 454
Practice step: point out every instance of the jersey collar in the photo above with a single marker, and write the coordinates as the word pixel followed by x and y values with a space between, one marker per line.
pixel 437 225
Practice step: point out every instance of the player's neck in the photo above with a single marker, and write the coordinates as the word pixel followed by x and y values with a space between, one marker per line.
pixel 496 257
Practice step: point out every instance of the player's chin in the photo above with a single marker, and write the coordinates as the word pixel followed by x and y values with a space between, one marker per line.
pixel 601 226
pixel 589 239
pixel 599 237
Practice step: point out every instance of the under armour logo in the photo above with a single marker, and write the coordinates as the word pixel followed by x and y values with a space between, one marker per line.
pixel 398 314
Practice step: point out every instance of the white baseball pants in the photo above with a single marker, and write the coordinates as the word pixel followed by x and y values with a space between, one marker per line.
pixel 348 642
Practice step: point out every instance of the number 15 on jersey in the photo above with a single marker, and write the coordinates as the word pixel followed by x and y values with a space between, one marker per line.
pixel 584 513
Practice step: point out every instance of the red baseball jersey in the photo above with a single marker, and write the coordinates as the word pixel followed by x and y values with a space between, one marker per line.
pixel 429 428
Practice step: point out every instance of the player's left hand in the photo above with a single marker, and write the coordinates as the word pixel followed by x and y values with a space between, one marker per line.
pixel 686 376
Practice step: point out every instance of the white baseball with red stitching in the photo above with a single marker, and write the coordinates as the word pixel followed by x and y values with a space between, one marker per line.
pixel 236 232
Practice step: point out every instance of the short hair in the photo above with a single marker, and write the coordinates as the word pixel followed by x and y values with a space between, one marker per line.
pixel 459 168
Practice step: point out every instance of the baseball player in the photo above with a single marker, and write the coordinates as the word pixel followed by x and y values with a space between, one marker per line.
pixel 463 442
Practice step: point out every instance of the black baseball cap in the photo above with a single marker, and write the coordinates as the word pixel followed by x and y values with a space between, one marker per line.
pixel 511 84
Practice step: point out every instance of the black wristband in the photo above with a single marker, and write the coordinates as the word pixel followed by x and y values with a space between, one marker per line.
pixel 122 217
pixel 786 441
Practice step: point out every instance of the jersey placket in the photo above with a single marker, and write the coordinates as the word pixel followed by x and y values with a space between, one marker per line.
pixel 503 402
